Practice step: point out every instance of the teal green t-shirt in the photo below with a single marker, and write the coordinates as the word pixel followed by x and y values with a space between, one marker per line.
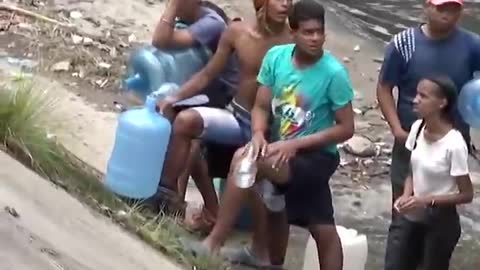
pixel 304 100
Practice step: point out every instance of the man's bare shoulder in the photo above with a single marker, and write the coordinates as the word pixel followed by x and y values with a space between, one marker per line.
pixel 237 28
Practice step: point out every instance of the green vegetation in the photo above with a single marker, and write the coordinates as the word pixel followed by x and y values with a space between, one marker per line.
pixel 25 114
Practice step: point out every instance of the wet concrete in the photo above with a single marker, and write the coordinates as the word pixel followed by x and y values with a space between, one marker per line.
pixel 383 18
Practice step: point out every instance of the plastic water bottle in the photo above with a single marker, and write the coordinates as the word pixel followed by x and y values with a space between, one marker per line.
pixel 136 161
pixel 469 103
pixel 246 170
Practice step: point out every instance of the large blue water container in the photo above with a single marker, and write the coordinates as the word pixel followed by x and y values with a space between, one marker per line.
pixel 148 67
pixel 469 103
pixel 136 162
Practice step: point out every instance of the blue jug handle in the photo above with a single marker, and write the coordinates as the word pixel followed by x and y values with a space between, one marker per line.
pixel 151 104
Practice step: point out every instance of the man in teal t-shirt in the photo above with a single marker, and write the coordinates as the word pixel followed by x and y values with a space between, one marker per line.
pixel 307 93
pixel 304 101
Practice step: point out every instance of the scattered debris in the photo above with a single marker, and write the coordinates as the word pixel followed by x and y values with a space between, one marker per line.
pixel 378 60
pixel 87 41
pixel 346 60
pixel 360 146
pixel 76 15
pixel 357 111
pixel 61 66
pixel 49 251
pixel 106 210
pixel 32 14
pixel 132 38
pixel 12 211
pixel 76 39
pixel 357 48
pixel 104 65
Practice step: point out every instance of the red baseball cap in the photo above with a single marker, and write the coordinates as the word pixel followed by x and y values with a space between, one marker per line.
pixel 442 2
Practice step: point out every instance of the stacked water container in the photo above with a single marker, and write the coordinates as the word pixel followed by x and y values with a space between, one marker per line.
pixel 142 134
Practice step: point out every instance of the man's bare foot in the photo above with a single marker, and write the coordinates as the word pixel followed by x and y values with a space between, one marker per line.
pixel 200 222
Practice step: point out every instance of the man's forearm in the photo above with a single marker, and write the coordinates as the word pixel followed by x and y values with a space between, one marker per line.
pixel 165 27
pixel 336 134
pixel 388 108
pixel 259 119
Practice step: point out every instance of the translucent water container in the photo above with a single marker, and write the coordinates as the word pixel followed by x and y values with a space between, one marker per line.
pixel 355 251
pixel 469 103
pixel 136 162
pixel 149 68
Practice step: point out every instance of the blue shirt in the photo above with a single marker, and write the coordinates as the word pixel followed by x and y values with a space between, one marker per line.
pixel 304 101
pixel 207 31
pixel 411 55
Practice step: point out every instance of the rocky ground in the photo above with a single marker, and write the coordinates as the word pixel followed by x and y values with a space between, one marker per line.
pixel 80 50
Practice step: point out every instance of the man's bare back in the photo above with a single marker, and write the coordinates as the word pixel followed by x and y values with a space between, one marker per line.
pixel 250 47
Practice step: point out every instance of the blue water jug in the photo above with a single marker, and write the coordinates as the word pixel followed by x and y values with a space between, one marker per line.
pixel 136 162
pixel 148 67
pixel 469 103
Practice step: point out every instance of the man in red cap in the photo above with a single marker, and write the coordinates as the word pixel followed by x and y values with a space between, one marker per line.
pixel 438 46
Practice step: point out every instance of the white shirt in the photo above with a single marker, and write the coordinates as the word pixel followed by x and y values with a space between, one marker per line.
pixel 436 164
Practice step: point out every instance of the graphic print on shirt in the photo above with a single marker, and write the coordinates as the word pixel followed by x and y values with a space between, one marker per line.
pixel 291 111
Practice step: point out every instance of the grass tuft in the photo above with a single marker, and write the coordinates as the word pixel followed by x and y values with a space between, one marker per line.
pixel 26 114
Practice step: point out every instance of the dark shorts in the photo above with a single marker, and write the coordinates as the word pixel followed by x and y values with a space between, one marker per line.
pixel 219 158
pixel 307 195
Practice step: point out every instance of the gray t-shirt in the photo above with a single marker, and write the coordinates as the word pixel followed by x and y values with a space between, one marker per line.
pixel 207 31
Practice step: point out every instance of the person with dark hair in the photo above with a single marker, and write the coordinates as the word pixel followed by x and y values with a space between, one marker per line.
pixel 428 228
pixel 307 93
pixel 205 24
pixel 438 46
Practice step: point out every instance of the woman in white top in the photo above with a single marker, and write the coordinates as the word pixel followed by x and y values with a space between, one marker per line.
pixel 429 226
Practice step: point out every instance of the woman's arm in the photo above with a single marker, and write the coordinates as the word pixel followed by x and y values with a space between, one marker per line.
pixel 464 195
pixel 408 187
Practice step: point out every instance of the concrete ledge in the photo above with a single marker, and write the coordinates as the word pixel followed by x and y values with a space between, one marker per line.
pixel 55 231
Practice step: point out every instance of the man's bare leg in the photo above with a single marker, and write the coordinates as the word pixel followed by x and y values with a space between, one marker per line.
pixel 329 247
pixel 268 242
pixel 278 233
pixel 185 176
pixel 204 182
pixel 197 167
pixel 228 212
pixel 187 126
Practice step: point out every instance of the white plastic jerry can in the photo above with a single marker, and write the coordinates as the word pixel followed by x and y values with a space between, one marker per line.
pixel 355 251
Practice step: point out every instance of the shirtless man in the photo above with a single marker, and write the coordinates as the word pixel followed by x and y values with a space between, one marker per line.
pixel 232 125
